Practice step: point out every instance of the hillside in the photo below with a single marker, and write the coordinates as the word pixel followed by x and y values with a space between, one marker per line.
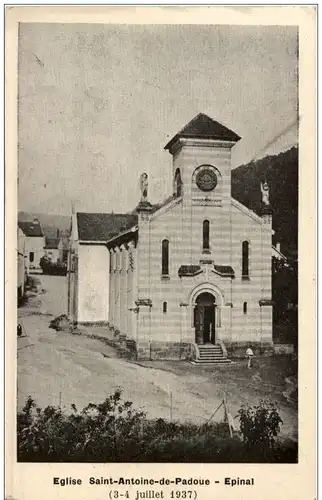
pixel 281 173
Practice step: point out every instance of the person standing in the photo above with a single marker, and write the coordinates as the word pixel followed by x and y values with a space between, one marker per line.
pixel 249 355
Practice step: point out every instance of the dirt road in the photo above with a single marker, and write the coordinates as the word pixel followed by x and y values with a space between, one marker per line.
pixel 62 368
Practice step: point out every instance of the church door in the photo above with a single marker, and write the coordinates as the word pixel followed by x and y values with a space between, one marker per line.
pixel 199 323
pixel 209 325
pixel 204 319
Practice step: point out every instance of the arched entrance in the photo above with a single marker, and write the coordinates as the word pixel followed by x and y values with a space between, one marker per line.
pixel 205 319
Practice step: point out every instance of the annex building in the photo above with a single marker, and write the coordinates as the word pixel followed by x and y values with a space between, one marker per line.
pixel 186 278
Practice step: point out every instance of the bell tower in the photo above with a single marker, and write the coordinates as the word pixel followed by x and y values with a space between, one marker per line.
pixel 202 161
pixel 201 158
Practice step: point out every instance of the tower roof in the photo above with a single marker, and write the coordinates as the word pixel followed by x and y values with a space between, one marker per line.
pixel 204 127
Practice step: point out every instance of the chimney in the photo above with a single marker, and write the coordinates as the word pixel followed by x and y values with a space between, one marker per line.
pixel 36 221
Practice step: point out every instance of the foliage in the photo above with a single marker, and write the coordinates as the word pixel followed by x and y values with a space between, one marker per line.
pixel 115 432
pixel 259 426
pixel 285 298
pixel 281 173
pixel 61 323
pixel 53 268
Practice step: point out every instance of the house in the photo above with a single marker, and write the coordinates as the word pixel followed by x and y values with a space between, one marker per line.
pixel 189 277
pixel 63 248
pixel 34 243
pixel 21 264
pixel 51 248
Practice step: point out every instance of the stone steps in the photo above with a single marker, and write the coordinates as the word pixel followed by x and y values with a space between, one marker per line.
pixel 210 354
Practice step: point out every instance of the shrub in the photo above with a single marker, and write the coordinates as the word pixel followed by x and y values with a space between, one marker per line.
pixel 114 431
pixel 259 426
pixel 61 323
pixel 53 268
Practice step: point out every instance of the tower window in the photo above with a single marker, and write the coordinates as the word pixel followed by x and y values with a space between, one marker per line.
pixel 177 183
pixel 205 235
pixel 245 308
pixel 165 307
pixel 31 256
pixel 245 260
pixel 165 257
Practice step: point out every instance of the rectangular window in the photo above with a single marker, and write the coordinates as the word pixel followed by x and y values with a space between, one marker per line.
pixel 165 258
pixel 31 256
pixel 245 260
pixel 205 235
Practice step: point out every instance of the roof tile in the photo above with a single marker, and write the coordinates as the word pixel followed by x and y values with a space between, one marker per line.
pixel 204 127
pixel 102 227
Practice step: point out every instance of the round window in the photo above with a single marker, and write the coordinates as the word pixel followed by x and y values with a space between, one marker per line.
pixel 206 179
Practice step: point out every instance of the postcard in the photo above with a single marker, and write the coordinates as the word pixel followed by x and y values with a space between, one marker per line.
pixel 160 252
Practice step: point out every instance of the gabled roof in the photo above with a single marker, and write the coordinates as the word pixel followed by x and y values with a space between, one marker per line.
pixel 51 243
pixel 204 127
pixel 31 229
pixel 103 227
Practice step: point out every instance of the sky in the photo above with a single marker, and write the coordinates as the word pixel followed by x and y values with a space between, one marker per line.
pixel 98 103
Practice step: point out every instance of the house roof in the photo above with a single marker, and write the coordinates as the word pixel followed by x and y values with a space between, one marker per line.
pixel 204 127
pixel 103 227
pixel 51 243
pixel 31 229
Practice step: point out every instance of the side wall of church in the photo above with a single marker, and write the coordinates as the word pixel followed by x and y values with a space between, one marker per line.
pixel 93 284
pixel 123 316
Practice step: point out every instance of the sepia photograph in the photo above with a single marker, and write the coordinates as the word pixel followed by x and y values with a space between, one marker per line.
pixel 157 243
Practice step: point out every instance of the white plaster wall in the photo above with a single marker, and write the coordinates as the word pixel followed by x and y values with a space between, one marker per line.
pixel 93 284
pixel 36 245
pixel 21 258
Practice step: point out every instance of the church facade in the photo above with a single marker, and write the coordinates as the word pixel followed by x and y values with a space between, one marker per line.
pixel 191 272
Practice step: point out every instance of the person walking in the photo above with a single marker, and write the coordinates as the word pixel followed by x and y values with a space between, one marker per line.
pixel 249 355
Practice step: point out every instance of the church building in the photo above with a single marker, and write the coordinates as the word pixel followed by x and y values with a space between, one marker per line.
pixel 189 278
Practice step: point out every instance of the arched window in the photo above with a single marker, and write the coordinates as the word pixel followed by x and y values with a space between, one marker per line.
pixel 165 307
pixel 245 260
pixel 165 257
pixel 205 235
pixel 245 307
pixel 177 183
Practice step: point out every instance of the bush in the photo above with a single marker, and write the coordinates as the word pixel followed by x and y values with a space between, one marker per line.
pixel 53 268
pixel 260 426
pixel 115 432
pixel 61 323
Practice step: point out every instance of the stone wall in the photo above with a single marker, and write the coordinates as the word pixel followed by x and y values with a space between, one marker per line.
pixel 160 350
pixel 238 349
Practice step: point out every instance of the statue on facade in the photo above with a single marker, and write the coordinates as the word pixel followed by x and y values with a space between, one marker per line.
pixel 265 193
pixel 144 187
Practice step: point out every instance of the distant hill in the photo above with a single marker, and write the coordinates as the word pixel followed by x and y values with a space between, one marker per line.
pixel 281 173
pixel 49 222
